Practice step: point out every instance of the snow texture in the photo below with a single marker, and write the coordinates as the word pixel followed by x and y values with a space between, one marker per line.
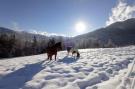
pixel 103 68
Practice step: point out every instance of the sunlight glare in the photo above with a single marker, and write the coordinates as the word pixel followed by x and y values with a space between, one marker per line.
pixel 80 27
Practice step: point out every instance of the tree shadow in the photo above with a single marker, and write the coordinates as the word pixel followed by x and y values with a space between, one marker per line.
pixel 68 60
pixel 18 78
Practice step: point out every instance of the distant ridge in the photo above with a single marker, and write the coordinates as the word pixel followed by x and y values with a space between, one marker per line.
pixel 121 33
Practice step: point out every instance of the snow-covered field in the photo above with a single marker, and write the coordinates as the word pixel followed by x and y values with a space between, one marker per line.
pixel 109 68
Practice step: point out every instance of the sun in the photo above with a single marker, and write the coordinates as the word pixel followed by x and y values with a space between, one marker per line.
pixel 80 27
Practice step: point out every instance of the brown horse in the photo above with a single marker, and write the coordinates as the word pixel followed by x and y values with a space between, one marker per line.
pixel 53 50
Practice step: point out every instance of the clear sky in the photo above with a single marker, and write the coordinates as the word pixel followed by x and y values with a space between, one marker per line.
pixel 55 16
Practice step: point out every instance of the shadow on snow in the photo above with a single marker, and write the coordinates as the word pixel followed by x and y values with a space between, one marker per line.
pixel 68 60
pixel 18 78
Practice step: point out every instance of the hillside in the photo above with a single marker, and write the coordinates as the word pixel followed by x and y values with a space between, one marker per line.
pixel 108 68
pixel 21 34
pixel 121 33
pixel 20 43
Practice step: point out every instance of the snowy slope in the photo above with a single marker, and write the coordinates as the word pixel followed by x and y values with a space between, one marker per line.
pixel 109 68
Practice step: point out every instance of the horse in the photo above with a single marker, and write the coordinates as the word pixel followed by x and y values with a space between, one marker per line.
pixel 73 51
pixel 53 50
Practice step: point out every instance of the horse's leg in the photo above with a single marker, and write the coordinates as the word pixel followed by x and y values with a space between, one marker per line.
pixel 47 56
pixel 72 53
pixel 55 56
pixel 51 57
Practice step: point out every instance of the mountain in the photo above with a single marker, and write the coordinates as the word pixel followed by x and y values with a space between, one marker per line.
pixel 6 30
pixel 27 35
pixel 21 43
pixel 120 33
pixel 20 34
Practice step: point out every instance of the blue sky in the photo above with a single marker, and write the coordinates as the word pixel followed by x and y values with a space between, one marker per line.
pixel 56 16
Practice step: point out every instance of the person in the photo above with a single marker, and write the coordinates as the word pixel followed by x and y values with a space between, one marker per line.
pixel 51 42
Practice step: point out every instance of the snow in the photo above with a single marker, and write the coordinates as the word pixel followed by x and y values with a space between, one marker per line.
pixel 103 68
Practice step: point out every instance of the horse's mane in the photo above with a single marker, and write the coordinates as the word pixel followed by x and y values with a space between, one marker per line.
pixel 58 44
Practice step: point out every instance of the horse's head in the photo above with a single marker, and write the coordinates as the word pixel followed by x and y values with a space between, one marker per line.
pixel 58 45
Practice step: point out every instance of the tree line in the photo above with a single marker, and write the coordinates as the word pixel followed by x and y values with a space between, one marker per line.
pixel 13 46
pixel 94 43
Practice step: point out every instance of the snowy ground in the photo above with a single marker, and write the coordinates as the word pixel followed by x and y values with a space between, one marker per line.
pixel 110 68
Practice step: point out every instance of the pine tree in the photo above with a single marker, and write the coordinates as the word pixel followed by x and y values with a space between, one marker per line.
pixel 12 44
pixel 34 45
